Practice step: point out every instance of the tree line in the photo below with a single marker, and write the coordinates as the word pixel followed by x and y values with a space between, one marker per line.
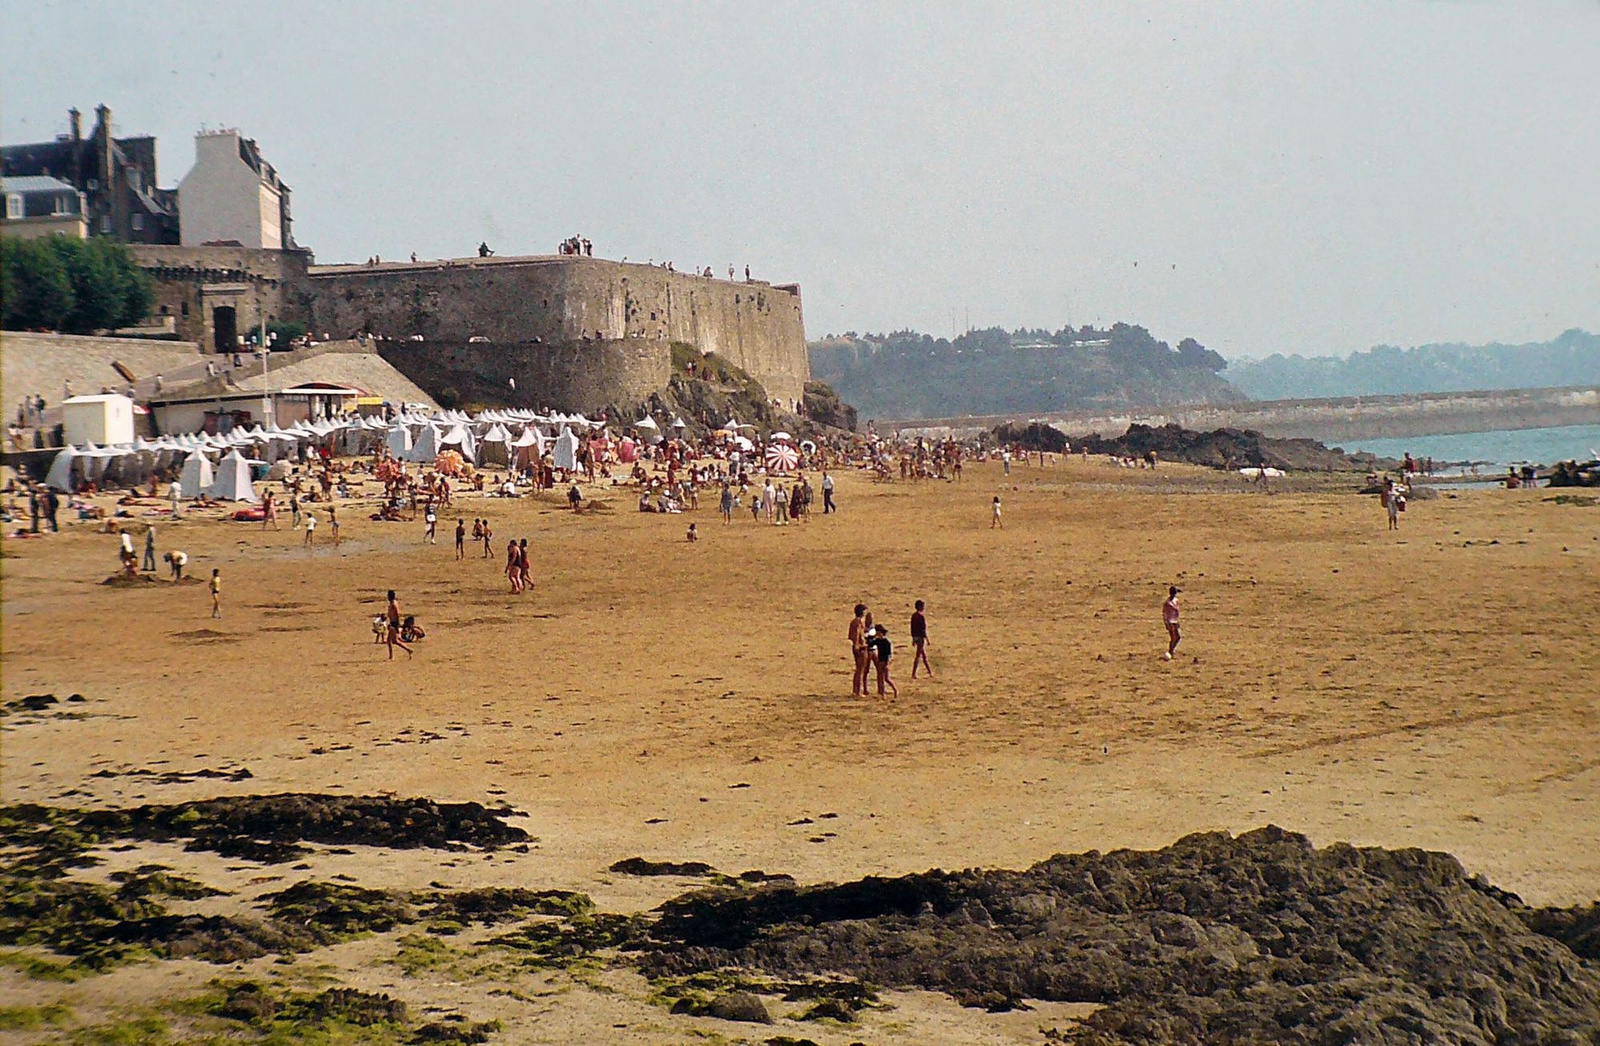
pixel 57 283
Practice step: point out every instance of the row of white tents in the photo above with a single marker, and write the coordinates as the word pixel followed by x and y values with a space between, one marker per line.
pixel 494 436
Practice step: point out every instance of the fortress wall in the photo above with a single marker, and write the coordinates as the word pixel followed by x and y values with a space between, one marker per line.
pixel 580 376
pixel 192 282
pixel 560 301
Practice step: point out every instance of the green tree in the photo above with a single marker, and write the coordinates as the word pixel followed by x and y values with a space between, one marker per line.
pixel 35 290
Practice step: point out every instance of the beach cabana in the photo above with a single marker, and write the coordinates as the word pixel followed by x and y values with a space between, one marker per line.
pixel 232 481
pixel 197 475
pixel 565 455
pixel 60 475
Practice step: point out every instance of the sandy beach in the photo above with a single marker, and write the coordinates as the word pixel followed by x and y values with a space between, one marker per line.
pixel 1435 688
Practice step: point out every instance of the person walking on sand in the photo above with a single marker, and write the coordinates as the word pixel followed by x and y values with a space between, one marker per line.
pixel 294 507
pixel 175 496
pixel 149 562
pixel 1391 503
pixel 461 539
pixel 858 651
pixel 269 511
pixel 216 592
pixel 311 530
pixel 994 514
pixel 827 494
pixel 727 503
pixel 333 523
pixel 513 566
pixel 430 535
pixel 524 569
pixel 488 536
pixel 1169 617
pixel 881 650
pixel 392 632
pixel 919 640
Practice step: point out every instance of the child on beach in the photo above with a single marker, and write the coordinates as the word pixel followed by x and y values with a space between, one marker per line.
pixel 488 537
pixel 1169 617
pixel 692 535
pixel 311 529
pixel 919 640
pixel 994 517
pixel 881 649
pixel 216 592
pixel 461 539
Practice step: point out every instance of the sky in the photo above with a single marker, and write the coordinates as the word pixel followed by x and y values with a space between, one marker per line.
pixel 1265 177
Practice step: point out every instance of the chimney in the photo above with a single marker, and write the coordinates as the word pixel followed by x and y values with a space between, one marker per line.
pixel 107 166
pixel 76 119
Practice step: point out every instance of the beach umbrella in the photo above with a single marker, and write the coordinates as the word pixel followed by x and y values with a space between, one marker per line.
pixel 679 423
pixel 647 422
pixel 782 435
pixel 782 457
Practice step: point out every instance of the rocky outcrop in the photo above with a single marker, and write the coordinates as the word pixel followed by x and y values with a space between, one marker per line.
pixel 1260 938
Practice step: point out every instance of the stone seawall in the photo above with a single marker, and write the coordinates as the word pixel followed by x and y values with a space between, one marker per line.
pixel 632 311
pixel 586 376
pixel 1330 420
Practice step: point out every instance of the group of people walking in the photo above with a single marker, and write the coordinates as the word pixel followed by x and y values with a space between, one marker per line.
pixel 872 650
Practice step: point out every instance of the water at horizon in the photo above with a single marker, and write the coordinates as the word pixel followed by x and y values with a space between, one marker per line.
pixel 1488 450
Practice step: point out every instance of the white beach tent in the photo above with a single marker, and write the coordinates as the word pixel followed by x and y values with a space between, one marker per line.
pixel 565 455
pixel 426 447
pixel 399 440
pixel 233 480
pixel 460 439
pixel 60 476
pixel 197 476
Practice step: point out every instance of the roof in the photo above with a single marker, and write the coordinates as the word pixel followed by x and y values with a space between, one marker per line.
pixel 322 369
pixel 35 183
pixel 106 398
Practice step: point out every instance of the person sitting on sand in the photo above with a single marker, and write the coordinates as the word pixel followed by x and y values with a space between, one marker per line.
pixel 692 536
pixel 410 631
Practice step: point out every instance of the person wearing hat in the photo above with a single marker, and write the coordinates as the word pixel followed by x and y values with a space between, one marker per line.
pixel 1169 617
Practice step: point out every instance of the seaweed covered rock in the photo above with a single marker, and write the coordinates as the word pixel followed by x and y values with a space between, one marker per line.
pixel 1259 938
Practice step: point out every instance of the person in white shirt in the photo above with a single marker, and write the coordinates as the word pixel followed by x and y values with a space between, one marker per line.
pixel 311 529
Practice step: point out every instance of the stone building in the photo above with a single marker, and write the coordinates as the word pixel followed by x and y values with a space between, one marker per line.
pixel 233 196
pixel 38 205
pixel 117 177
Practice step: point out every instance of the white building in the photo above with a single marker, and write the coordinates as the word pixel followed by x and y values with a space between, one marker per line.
pixel 97 419
pixel 232 195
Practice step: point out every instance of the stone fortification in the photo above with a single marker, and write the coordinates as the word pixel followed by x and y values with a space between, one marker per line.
pixel 580 331
pixel 215 294
pixel 582 376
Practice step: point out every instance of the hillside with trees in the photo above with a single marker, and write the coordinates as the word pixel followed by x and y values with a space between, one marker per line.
pixel 906 374
pixel 1571 359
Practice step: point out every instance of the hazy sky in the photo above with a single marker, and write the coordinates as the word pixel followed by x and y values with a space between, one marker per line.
pixel 1276 176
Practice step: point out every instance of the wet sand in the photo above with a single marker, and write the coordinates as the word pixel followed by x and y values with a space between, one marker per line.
pixel 1435 688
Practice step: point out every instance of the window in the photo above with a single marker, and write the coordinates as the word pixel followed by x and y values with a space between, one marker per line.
pixel 105 225
pixel 63 204
pixel 186 308
pixel 138 223
pixel 13 206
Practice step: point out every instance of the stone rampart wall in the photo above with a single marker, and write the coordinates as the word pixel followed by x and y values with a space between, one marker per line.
pixel 573 303
pixel 581 376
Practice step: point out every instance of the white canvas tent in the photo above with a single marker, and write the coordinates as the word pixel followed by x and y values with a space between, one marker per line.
pixel 233 480
pixel 566 451
pixel 197 476
pixel 60 476
pixel 426 449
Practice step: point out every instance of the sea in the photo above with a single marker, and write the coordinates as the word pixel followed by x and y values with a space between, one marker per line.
pixel 1491 450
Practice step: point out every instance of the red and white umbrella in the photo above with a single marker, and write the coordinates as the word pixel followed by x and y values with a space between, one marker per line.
pixel 782 457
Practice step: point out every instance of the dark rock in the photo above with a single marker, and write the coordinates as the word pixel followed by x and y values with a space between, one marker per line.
pixel 1259 938
pixel 640 866
pixel 357 1007
pixel 830 1009
pixel 1228 448
pixel 36 702
pixel 739 1006
pixel 248 1002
